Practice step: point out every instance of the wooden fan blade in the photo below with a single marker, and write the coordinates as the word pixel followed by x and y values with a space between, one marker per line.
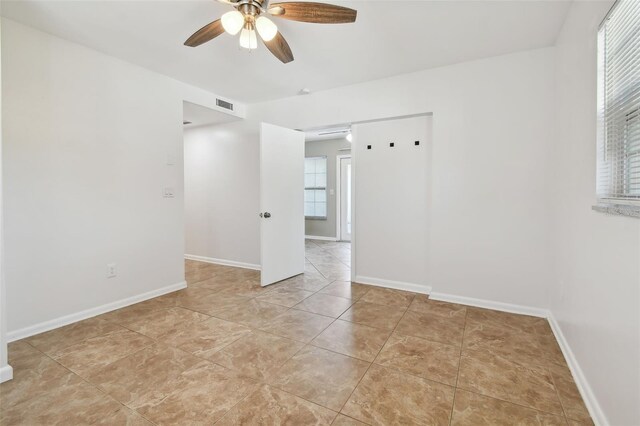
pixel 204 34
pixel 316 13
pixel 280 48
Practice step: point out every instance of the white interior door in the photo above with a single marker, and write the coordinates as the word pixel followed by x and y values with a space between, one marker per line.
pixel 281 203
pixel 345 199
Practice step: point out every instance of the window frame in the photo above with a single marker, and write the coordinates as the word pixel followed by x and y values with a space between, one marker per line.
pixel 319 188
pixel 616 181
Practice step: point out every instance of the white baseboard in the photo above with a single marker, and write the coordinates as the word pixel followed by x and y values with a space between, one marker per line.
pixel 490 304
pixel 597 415
pixel 6 373
pixel 224 262
pixel 397 285
pixel 587 394
pixel 92 312
pixel 320 238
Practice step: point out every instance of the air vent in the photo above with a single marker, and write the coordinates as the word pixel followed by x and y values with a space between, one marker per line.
pixel 224 104
pixel 333 132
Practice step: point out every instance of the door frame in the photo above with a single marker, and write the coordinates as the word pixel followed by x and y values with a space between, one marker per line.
pixel 339 157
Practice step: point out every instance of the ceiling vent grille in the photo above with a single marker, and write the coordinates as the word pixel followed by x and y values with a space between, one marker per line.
pixel 224 104
pixel 334 132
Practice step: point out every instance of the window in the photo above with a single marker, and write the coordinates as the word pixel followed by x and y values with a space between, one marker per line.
pixel 619 104
pixel 315 188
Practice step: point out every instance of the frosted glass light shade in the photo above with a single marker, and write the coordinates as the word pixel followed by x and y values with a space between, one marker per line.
pixel 248 39
pixel 232 22
pixel 266 28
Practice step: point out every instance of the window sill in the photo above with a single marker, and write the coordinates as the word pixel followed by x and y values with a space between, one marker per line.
pixel 618 209
pixel 315 218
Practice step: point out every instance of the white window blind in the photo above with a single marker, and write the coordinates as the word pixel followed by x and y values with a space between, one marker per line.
pixel 619 103
pixel 315 187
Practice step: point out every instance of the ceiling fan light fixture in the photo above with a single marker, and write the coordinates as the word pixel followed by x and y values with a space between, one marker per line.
pixel 248 39
pixel 266 28
pixel 232 22
pixel 247 20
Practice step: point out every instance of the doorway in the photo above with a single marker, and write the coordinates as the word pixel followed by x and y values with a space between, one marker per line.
pixel 240 216
pixel 343 211
pixel 328 192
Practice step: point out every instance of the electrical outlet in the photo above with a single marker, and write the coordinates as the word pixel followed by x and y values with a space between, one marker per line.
pixel 171 159
pixel 111 270
pixel 169 192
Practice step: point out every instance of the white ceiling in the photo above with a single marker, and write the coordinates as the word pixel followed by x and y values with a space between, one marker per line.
pixel 388 38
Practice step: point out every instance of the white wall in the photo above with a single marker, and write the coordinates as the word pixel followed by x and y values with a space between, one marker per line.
pixel 86 141
pixel 595 295
pixel 222 182
pixel 492 136
pixel 6 373
pixel 392 189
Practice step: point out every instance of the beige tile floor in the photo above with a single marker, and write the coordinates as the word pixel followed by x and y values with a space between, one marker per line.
pixel 314 349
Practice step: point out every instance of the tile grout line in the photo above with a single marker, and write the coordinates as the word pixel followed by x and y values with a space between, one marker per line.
pixel 339 412
pixel 352 418
pixel 234 372
pixel 26 339
pixel 455 386
pixel 157 341
pixel 267 383
pixel 429 379
pixel 288 338
pixel 537 410
pixel 339 353
pixel 193 367
pixel 542 366
pixel 330 254
pixel 298 396
pixel 375 357
pixel 261 384
pixel 257 381
pixel 93 385
pixel 304 345
pixel 564 411
pixel 314 313
pixel 96 386
pixel 494 397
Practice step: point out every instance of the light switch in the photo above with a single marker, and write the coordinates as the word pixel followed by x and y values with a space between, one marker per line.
pixel 171 159
pixel 169 192
pixel 332 192
pixel 111 270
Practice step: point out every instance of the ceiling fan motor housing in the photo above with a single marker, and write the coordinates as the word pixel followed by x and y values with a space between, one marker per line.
pixel 250 8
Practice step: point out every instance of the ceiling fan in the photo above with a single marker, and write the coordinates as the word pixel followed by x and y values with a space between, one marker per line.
pixel 247 18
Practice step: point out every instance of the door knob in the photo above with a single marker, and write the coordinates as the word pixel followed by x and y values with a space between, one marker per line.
pixel 267 215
